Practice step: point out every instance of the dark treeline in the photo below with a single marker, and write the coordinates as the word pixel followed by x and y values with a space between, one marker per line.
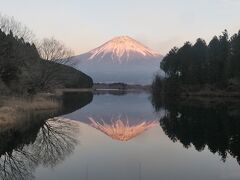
pixel 216 64
pixel 23 70
pixel 15 55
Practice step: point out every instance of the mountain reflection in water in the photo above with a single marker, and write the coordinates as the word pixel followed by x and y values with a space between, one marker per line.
pixel 121 129
pixel 121 117
pixel 204 131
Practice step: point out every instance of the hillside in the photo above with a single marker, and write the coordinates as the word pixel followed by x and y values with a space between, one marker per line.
pixel 69 77
pixel 22 71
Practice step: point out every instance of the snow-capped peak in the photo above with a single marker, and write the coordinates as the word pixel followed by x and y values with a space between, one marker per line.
pixel 120 47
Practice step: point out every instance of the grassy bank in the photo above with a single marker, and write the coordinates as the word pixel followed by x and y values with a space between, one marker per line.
pixel 201 94
pixel 14 109
pixel 166 87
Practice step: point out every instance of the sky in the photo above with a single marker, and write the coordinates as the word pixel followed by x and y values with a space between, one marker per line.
pixel 159 24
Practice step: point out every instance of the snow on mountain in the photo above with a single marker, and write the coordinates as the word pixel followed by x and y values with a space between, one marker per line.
pixel 121 48
pixel 121 129
pixel 122 59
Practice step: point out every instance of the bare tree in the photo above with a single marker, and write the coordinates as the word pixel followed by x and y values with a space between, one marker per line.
pixel 53 50
pixel 19 30
pixel 45 75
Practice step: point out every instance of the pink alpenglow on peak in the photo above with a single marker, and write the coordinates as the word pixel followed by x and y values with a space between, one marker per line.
pixel 121 48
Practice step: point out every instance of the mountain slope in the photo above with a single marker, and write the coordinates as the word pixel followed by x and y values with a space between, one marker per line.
pixel 122 49
pixel 121 59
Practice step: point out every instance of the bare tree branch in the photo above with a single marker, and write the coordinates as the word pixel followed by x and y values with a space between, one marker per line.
pixel 53 50
pixel 9 24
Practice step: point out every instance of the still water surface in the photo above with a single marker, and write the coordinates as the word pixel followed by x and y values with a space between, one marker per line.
pixel 123 136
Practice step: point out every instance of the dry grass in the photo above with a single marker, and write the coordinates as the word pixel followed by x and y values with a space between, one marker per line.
pixel 12 109
pixel 7 115
pixel 34 104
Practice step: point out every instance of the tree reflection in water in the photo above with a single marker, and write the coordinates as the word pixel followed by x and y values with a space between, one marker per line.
pixel 215 125
pixel 55 139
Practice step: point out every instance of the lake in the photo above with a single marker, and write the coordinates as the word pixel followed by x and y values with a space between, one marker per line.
pixel 132 136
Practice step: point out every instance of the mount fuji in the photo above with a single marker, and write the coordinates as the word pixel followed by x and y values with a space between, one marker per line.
pixel 122 59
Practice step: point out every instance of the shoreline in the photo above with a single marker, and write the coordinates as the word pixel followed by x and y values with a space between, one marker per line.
pixel 60 92
pixel 11 107
pixel 203 94
pixel 14 110
pixel 216 93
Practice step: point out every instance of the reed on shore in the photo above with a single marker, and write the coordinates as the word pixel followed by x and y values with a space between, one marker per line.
pixel 12 109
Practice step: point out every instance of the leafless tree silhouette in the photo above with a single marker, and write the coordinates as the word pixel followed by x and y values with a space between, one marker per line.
pixel 54 53
pixel 53 50
pixel 8 24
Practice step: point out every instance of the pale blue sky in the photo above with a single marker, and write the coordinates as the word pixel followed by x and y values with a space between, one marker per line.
pixel 160 24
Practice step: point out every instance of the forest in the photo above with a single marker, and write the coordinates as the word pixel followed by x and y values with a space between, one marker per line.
pixel 201 66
